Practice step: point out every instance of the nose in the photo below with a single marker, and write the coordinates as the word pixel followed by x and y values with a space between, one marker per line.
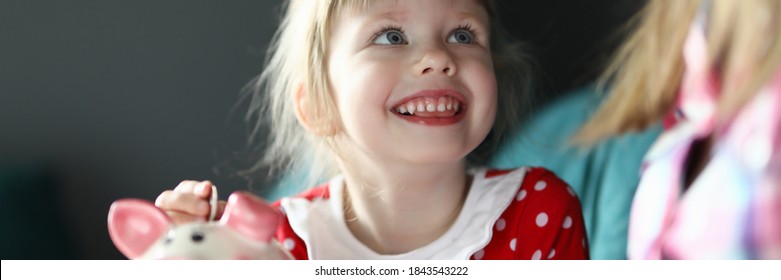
pixel 436 59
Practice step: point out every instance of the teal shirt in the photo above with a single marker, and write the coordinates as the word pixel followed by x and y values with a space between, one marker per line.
pixel 605 176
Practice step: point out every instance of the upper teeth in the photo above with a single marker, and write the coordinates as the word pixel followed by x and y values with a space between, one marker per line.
pixel 429 104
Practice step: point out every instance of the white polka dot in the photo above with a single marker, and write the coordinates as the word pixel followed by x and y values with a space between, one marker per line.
pixel 289 244
pixel 500 224
pixel 542 219
pixel 570 191
pixel 537 255
pixel 540 185
pixel 567 222
pixel 479 254
pixel 521 195
pixel 552 253
pixel 512 244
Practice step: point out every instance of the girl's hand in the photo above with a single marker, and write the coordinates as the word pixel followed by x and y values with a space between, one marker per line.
pixel 189 202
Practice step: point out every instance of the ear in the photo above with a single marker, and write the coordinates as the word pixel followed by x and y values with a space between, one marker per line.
pixel 317 125
pixel 251 217
pixel 303 109
pixel 135 225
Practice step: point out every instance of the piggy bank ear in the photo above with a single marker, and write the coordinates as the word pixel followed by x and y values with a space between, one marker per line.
pixel 251 217
pixel 134 225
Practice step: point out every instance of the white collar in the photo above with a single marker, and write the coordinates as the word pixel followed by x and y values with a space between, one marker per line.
pixel 320 223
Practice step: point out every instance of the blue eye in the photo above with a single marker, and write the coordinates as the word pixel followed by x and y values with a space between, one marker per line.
pixel 390 37
pixel 461 36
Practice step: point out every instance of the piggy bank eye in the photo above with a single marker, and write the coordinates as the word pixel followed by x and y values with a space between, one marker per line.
pixel 169 237
pixel 197 236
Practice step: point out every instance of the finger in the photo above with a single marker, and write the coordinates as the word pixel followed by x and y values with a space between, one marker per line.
pixel 186 186
pixel 203 189
pixel 200 188
pixel 179 218
pixel 182 202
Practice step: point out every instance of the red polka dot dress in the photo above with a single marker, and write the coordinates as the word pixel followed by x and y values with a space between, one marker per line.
pixel 526 213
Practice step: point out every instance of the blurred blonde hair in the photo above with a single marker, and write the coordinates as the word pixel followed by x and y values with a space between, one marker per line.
pixel 744 46
pixel 297 56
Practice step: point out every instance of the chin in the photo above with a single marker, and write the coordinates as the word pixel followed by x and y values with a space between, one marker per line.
pixel 438 155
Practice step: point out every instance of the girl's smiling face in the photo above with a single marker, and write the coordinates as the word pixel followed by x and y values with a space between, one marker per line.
pixel 413 80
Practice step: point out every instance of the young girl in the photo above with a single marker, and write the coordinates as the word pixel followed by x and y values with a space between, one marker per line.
pixel 711 186
pixel 394 95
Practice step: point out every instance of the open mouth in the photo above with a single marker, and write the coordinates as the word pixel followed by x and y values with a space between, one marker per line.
pixel 431 110
pixel 442 106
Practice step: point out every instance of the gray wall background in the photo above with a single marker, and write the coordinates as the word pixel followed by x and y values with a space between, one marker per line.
pixel 127 98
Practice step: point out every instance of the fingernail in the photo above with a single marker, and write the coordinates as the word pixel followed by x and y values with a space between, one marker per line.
pixel 200 188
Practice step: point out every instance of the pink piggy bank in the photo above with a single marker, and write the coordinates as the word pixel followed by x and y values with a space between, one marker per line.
pixel 246 231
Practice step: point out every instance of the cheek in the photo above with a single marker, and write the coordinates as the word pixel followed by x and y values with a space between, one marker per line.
pixel 484 86
pixel 362 84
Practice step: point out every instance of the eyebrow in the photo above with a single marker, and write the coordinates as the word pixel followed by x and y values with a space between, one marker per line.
pixel 398 16
pixel 471 16
pixel 394 15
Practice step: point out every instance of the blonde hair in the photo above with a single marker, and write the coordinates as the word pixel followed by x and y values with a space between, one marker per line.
pixel 297 56
pixel 744 46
